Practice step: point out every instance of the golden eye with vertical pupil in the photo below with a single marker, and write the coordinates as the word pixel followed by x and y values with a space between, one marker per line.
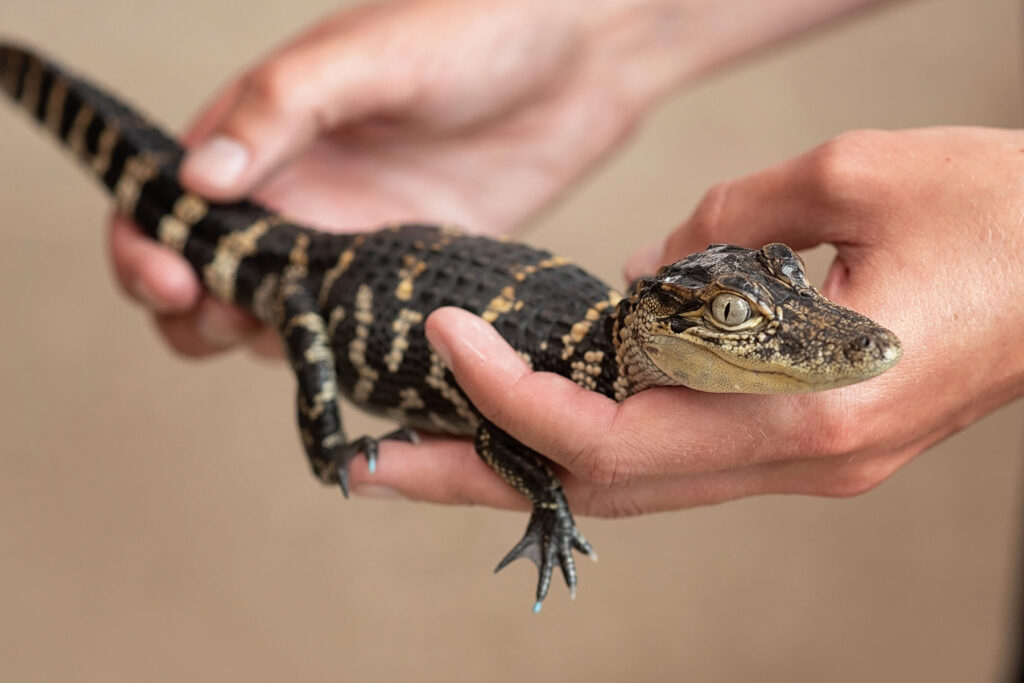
pixel 730 310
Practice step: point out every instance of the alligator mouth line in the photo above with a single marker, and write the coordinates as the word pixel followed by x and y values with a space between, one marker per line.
pixel 783 377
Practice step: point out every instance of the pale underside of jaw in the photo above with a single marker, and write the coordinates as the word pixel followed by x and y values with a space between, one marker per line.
pixel 707 368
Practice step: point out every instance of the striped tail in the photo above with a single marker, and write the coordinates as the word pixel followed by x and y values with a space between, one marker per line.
pixel 139 163
pixel 109 137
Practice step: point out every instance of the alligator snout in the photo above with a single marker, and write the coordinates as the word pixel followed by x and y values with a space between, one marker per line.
pixel 876 344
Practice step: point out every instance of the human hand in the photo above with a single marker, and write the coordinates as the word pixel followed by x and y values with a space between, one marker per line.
pixel 927 224
pixel 456 111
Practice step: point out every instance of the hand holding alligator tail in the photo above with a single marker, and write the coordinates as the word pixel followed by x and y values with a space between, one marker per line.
pixel 470 113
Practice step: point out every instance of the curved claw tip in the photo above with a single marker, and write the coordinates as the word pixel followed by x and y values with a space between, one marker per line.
pixel 572 593
pixel 592 556
pixel 536 607
pixel 372 466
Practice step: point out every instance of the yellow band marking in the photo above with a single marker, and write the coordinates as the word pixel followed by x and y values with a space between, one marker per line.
pixel 337 316
pixel 357 347
pixel 55 104
pixel 410 399
pixel 336 271
pixel 435 379
pixel 30 91
pixel 501 304
pixel 108 140
pixel 585 372
pixel 299 255
pixel 220 274
pixel 138 170
pixel 579 331
pixel 79 126
pixel 405 321
pixel 266 300
pixel 174 228
pixel 412 267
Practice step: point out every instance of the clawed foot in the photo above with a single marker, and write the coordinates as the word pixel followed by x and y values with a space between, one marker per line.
pixel 366 445
pixel 550 538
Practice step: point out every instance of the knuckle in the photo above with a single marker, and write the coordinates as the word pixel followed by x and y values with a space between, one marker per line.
pixel 833 433
pixel 606 459
pixel 272 84
pixel 855 480
pixel 604 469
pixel 844 167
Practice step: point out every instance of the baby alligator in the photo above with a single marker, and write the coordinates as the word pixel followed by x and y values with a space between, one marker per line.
pixel 350 308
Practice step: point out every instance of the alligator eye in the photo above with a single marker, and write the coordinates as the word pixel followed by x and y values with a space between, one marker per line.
pixel 730 310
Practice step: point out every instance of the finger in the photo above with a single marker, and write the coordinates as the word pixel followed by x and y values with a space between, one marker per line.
pixel 153 275
pixel 278 109
pixel 437 470
pixel 267 344
pixel 830 477
pixel 508 393
pixel 210 328
pixel 791 202
pixel 448 471
pixel 645 261
pixel 657 433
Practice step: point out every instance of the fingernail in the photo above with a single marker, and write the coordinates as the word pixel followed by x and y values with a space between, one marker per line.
pixel 214 330
pixel 141 291
pixel 375 491
pixel 440 348
pixel 218 161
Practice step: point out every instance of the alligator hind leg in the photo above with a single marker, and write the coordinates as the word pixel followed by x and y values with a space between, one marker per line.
pixel 551 534
pixel 305 338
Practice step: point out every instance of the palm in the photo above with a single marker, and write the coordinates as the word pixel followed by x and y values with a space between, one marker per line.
pixel 487 178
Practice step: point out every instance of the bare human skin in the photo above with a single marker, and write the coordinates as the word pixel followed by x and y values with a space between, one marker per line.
pixel 928 227
pixel 475 113
pixel 927 224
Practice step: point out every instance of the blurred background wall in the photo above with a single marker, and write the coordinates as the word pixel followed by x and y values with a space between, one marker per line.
pixel 158 521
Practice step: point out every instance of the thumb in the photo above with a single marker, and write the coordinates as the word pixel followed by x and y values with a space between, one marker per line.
pixel 276 111
pixel 793 202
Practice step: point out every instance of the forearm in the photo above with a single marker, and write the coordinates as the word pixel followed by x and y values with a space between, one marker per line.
pixel 650 47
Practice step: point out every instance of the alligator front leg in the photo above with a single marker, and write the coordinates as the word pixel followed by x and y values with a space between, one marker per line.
pixel 304 334
pixel 551 534
pixel 305 338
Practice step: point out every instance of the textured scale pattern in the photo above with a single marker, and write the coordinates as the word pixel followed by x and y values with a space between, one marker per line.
pixel 350 309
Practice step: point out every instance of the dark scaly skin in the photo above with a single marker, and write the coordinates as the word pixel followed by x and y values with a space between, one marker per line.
pixel 350 308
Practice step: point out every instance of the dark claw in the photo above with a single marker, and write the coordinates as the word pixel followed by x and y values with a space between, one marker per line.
pixel 550 538
pixel 343 479
pixel 367 446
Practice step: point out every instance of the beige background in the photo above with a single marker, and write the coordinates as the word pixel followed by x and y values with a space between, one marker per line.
pixel 158 522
